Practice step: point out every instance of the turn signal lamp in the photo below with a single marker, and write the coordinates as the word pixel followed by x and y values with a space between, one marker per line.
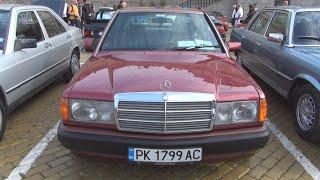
pixel 64 109
pixel 263 111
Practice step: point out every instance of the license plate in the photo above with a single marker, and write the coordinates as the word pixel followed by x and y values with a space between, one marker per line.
pixel 164 155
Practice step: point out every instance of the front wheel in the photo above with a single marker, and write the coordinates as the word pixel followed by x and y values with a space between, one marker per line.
pixel 74 66
pixel 2 120
pixel 307 111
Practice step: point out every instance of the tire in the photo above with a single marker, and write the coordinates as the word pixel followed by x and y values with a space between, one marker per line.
pixel 3 119
pixel 74 66
pixel 307 112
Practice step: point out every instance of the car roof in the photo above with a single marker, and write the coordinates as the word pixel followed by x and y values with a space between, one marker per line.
pixel 165 9
pixel 8 7
pixel 293 8
pixel 106 8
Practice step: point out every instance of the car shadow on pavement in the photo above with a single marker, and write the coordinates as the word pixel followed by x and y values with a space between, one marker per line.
pixel 27 125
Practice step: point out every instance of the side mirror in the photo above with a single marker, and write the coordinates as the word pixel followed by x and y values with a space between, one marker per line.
pixel 276 37
pixel 234 46
pixel 24 44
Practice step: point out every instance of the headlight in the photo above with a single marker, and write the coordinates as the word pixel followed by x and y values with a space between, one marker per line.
pixel 92 111
pixel 236 112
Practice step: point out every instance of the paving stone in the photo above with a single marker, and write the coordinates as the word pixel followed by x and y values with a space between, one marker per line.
pixel 269 162
pixel 252 162
pixel 236 173
pixel 279 154
pixel 294 172
pixel 262 153
pixel 54 170
pixel 222 170
pixel 305 176
pixel 247 177
pixel 34 177
pixel 37 169
pixel 258 171
pixel 59 161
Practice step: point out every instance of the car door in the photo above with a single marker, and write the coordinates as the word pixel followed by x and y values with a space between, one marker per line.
pixel 252 39
pixel 273 54
pixel 30 63
pixel 60 38
pixel 256 37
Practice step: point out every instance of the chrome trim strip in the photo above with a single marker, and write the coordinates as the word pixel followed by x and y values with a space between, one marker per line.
pixel 157 96
pixel 161 132
pixel 134 110
pixel 163 122
pixel 33 77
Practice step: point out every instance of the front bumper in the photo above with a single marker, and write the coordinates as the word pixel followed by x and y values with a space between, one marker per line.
pixel 114 144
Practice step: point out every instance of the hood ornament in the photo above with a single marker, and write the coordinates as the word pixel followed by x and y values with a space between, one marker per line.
pixel 165 86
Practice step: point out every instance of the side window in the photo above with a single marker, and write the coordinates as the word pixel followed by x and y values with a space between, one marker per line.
pixel 261 23
pixel 51 24
pixel 60 26
pixel 279 24
pixel 28 27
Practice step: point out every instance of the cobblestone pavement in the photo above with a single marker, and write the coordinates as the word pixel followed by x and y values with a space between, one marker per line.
pixel 32 120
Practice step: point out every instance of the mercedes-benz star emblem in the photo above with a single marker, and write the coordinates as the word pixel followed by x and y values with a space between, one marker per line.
pixel 165 85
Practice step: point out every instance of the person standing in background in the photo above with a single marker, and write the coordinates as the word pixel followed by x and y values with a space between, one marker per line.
pixel 237 15
pixel 73 12
pixel 250 14
pixel 122 4
pixel 233 20
pixel 285 2
pixel 87 12
pixel 65 13
pixel 255 7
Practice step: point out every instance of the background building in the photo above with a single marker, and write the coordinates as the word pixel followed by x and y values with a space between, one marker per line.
pixel 226 6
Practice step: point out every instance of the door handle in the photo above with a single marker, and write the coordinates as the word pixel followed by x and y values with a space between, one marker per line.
pixel 258 44
pixel 47 45
pixel 69 37
pixel 243 37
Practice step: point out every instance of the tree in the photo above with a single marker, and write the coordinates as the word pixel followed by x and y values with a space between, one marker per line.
pixel 152 4
pixel 163 3
pixel 141 4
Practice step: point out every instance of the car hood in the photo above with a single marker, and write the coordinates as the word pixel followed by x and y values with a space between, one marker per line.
pixel 309 51
pixel 119 72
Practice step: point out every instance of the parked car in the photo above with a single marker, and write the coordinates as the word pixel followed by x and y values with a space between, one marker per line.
pixel 223 19
pixel 162 88
pixel 219 27
pixel 94 29
pixel 36 46
pixel 282 47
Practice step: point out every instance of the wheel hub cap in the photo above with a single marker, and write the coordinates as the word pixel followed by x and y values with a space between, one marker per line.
pixel 306 112
pixel 75 64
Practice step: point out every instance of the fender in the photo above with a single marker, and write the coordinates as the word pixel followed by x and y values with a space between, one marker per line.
pixel 2 93
pixel 310 79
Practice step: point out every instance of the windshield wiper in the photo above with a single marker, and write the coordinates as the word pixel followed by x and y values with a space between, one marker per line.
pixel 190 48
pixel 310 37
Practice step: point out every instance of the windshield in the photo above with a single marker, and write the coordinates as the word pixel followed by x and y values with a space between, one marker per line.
pixel 306 28
pixel 4 21
pixel 160 31
pixel 104 15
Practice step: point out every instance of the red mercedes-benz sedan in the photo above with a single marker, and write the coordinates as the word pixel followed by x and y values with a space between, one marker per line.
pixel 161 88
